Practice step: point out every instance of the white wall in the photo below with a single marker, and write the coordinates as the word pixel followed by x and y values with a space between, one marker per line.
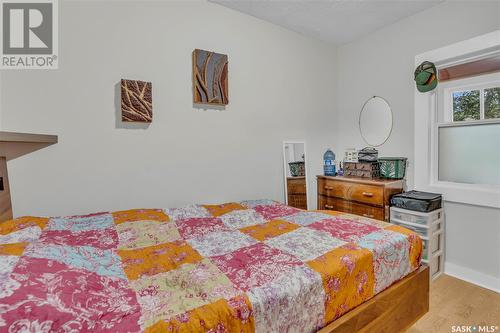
pixel 382 64
pixel 280 87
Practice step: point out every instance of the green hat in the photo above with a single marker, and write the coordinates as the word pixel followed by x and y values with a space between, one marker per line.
pixel 426 76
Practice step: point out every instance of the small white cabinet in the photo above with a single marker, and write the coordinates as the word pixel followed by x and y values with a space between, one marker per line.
pixel 430 227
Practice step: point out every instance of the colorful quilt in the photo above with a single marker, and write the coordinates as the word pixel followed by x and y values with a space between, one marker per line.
pixel 250 266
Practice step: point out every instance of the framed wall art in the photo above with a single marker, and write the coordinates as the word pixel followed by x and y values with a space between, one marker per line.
pixel 136 101
pixel 210 78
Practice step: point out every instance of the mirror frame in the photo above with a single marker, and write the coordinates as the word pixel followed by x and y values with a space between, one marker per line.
pixel 285 168
pixel 392 121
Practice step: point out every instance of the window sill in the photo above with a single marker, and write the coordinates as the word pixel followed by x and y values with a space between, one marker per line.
pixel 479 195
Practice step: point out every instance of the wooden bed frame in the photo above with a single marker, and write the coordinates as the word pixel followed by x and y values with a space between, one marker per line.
pixel 394 310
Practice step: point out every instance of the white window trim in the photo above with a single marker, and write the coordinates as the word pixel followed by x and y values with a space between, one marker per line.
pixel 426 120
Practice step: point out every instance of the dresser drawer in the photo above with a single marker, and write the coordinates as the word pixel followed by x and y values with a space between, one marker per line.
pixel 341 205
pixel 363 193
pixel 297 201
pixel 296 186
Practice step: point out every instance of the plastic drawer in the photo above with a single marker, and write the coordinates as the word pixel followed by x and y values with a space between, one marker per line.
pixel 435 246
pixel 419 230
pixel 436 243
pixel 416 217
pixel 437 226
pixel 436 266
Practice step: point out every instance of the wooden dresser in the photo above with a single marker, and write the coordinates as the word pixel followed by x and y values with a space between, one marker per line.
pixel 296 189
pixel 360 196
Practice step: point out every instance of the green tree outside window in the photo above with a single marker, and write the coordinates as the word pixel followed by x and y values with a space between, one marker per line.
pixel 466 104
pixel 492 103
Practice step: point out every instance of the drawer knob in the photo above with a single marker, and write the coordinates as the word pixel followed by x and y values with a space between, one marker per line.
pixel 368 215
pixel 328 188
pixel 368 194
pixel 328 207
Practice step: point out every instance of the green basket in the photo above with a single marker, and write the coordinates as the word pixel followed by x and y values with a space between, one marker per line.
pixel 392 167
pixel 297 169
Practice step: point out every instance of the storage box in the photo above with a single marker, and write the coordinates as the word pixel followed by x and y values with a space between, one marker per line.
pixel 297 169
pixel 393 167
pixel 368 154
pixel 351 155
pixel 417 201
pixel 362 169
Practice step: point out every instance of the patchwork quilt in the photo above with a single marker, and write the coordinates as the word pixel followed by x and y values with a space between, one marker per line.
pixel 250 266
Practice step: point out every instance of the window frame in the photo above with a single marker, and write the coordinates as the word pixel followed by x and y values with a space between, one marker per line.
pixel 427 120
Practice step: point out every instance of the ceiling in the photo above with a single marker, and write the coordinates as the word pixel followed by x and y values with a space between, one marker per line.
pixel 334 21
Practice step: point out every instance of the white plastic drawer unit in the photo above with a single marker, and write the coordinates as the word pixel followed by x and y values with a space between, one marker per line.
pixel 430 227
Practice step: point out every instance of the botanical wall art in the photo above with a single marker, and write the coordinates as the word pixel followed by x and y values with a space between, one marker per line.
pixel 137 101
pixel 210 81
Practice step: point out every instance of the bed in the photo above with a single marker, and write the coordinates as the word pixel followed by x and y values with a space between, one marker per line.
pixel 249 266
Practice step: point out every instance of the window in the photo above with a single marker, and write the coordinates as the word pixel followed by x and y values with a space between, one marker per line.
pixel 475 104
pixel 470 99
pixel 466 105
pixel 457 126
pixel 468 131
pixel 491 103
pixel 469 154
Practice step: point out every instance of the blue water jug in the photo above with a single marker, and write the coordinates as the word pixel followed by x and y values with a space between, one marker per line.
pixel 329 163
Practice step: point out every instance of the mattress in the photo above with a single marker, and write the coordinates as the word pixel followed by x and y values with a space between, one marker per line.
pixel 250 266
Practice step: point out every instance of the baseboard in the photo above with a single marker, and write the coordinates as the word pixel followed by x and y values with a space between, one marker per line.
pixel 472 276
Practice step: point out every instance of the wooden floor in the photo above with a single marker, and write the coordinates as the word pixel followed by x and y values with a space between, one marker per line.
pixel 456 302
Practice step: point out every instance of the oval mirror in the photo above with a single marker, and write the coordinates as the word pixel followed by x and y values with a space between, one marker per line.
pixel 375 121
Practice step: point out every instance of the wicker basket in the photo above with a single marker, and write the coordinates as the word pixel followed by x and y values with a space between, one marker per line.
pixel 297 169
pixel 362 169
pixel 393 167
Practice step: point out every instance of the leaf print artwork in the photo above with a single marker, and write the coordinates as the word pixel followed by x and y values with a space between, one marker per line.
pixel 136 101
